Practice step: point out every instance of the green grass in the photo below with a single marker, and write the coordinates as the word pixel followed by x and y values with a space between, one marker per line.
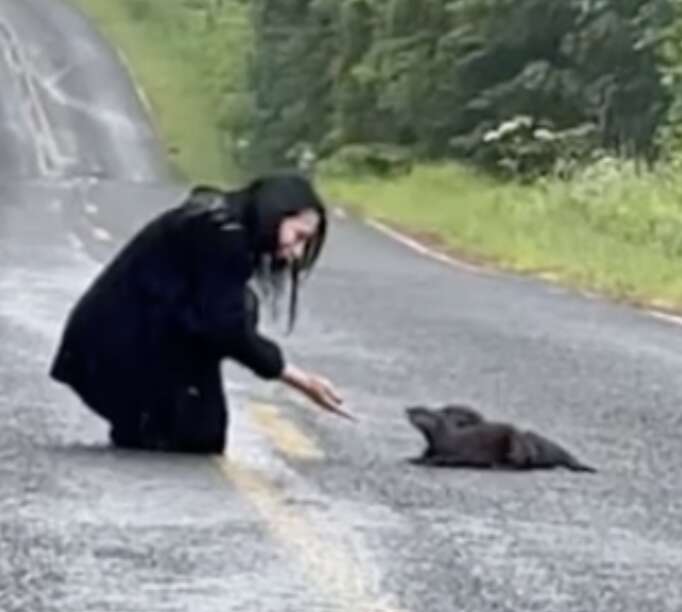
pixel 175 57
pixel 611 230
pixel 594 233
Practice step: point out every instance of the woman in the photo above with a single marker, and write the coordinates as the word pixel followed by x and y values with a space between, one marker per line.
pixel 143 346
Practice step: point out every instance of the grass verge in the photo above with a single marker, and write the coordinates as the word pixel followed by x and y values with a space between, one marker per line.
pixel 610 230
pixel 618 235
pixel 174 53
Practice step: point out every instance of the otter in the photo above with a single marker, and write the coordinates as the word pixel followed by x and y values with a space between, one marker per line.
pixel 459 436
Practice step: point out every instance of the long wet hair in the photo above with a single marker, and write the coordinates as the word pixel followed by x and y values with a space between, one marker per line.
pixel 270 200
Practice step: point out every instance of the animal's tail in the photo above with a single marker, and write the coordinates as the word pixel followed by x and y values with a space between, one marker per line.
pixel 576 466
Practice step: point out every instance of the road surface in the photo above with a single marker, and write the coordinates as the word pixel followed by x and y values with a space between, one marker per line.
pixel 309 512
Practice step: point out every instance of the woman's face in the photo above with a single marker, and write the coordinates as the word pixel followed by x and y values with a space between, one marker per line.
pixel 294 233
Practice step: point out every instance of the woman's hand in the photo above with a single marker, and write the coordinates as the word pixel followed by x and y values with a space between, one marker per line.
pixel 318 389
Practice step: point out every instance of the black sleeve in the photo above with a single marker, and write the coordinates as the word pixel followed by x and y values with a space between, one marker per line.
pixel 260 354
pixel 222 314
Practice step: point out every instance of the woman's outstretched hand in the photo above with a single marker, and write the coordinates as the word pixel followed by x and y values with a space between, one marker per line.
pixel 317 388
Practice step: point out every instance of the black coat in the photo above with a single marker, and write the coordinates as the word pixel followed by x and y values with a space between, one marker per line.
pixel 143 345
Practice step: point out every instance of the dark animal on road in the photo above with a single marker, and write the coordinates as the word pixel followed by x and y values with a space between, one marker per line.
pixel 459 436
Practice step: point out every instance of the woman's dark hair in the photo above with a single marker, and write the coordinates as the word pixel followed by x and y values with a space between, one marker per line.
pixel 272 199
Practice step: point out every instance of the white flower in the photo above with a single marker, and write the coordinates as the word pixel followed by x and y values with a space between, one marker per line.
pixel 544 134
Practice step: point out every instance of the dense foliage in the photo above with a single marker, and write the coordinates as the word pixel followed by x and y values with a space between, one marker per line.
pixel 523 86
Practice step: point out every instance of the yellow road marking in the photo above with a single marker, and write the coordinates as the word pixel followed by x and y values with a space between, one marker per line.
pixel 282 433
pixel 327 561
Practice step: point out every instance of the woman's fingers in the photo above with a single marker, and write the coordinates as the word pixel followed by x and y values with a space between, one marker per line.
pixel 335 408
pixel 318 389
pixel 332 392
pixel 335 394
pixel 329 389
pixel 344 414
pixel 329 399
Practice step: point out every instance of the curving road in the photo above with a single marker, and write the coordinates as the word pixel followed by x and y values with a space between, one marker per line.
pixel 311 513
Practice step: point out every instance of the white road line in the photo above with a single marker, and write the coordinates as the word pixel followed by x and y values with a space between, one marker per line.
pixel 142 95
pixel 101 234
pixel 427 252
pixel 664 316
pixel 47 148
pixel 446 259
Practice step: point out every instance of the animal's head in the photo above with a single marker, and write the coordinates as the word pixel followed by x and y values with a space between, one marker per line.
pixel 460 415
pixel 426 420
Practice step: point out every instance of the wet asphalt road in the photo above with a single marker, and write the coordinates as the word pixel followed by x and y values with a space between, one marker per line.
pixel 309 512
